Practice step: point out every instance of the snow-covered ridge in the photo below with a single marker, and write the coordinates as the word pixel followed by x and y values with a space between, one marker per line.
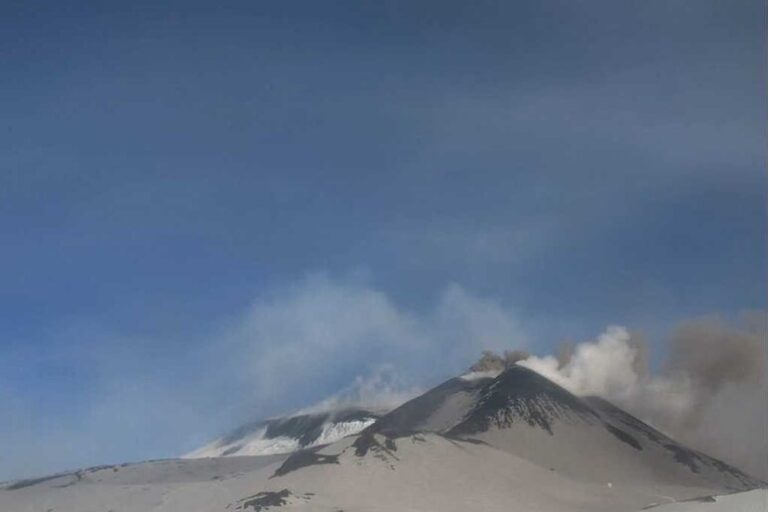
pixel 287 434
pixel 490 374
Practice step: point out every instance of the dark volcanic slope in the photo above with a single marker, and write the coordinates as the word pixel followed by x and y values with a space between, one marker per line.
pixel 413 415
pixel 694 460
pixel 517 394
pixel 520 394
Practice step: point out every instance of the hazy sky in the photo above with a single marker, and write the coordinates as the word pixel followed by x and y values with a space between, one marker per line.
pixel 214 212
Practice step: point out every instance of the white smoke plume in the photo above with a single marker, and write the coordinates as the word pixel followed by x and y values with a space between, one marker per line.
pixel 710 392
pixel 381 391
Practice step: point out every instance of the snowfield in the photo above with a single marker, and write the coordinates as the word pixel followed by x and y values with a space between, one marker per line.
pixel 423 472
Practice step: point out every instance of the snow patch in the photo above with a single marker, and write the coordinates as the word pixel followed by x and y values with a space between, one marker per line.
pixel 332 432
pixel 472 376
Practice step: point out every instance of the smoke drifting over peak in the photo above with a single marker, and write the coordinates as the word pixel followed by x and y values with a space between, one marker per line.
pixel 381 391
pixel 493 362
pixel 710 392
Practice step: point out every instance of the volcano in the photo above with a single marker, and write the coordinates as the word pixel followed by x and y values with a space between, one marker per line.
pixel 511 440
pixel 525 414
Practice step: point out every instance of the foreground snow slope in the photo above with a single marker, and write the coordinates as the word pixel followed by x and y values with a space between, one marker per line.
pixel 419 472
pixel 749 501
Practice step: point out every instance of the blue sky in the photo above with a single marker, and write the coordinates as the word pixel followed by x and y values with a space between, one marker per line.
pixel 188 189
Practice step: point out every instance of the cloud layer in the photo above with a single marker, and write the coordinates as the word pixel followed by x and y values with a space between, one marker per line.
pixel 322 329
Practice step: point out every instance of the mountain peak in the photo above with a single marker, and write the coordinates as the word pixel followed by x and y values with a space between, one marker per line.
pixel 521 394
pixel 480 400
pixel 517 410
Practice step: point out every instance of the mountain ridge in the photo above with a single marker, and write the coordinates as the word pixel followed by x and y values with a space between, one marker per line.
pixel 494 441
pixel 287 434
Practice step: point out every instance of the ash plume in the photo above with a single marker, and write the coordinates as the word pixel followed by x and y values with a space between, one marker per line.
pixel 710 391
pixel 713 357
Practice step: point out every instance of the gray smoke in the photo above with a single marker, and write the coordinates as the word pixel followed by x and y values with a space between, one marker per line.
pixel 709 392
pixel 726 370
pixel 713 357
pixel 493 362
